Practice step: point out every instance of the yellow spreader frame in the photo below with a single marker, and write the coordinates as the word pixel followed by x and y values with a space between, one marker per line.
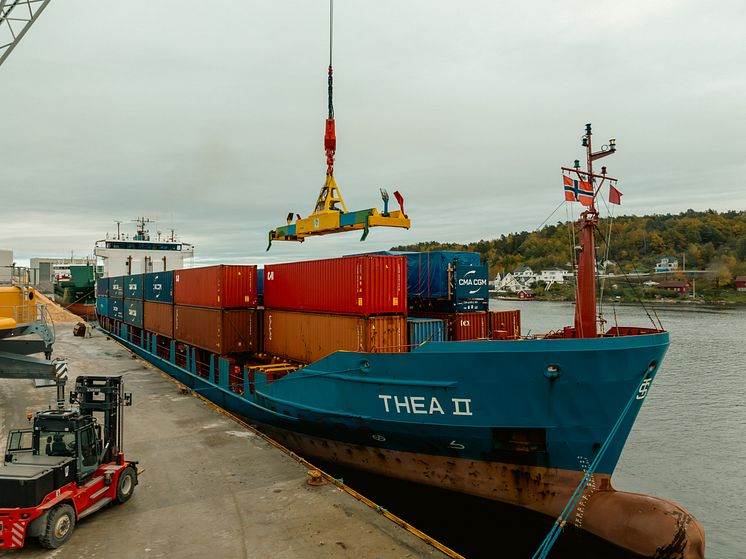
pixel 331 216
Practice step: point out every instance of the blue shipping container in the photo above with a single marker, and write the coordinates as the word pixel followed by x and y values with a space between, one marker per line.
pixel 133 286
pixel 116 286
pixel 159 287
pixel 420 330
pixel 102 306
pixel 260 281
pixel 133 312
pixel 102 287
pixel 116 309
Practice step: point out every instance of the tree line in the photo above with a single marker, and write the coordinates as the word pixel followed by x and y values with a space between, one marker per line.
pixel 708 240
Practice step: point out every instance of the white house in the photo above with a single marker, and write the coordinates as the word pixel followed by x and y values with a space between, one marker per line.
pixel 554 275
pixel 525 274
pixel 509 283
pixel 666 264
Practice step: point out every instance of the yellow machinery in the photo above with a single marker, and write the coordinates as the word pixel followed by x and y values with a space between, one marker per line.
pixel 330 214
pixel 17 307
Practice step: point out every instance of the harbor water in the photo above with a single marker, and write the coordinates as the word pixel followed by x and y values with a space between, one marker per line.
pixel 688 444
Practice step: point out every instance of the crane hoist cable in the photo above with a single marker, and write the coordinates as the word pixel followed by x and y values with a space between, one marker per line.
pixel 330 214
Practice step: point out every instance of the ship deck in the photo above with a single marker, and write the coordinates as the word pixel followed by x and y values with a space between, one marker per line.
pixel 210 487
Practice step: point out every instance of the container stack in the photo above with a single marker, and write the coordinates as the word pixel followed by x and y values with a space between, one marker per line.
pixel 116 298
pixel 214 308
pixel 133 300
pixel 355 303
pixel 158 305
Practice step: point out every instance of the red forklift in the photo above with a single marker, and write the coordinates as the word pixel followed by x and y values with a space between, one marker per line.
pixel 67 466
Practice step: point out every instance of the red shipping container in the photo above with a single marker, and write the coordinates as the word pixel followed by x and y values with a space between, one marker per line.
pixel 354 285
pixel 221 331
pixel 504 325
pixel 220 287
pixel 159 318
pixel 461 326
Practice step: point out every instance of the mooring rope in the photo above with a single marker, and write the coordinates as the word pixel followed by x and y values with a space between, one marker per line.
pixel 564 516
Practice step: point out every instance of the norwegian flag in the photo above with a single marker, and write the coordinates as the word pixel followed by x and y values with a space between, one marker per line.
pixel 578 191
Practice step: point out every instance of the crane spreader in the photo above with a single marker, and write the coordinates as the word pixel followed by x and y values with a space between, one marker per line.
pixel 330 214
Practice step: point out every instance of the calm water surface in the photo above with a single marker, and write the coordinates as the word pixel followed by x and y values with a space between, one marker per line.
pixel 689 442
pixel 688 445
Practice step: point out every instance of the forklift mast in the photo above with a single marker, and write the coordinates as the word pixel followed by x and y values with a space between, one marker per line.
pixel 106 395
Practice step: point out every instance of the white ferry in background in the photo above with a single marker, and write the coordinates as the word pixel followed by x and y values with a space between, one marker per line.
pixel 125 254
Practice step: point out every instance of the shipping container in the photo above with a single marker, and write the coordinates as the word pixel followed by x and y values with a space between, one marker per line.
pixel 133 312
pixel 428 272
pixel 421 330
pixel 221 287
pixel 158 287
pixel 102 287
pixel 159 318
pixel 504 325
pixel 102 306
pixel 116 287
pixel 355 285
pixel 116 308
pixel 308 337
pixel 461 326
pixel 133 286
pixel 221 331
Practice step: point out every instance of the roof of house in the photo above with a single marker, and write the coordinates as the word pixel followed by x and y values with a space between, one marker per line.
pixel 522 269
pixel 673 283
pixel 740 278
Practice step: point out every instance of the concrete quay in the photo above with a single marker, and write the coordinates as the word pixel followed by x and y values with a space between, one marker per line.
pixel 209 487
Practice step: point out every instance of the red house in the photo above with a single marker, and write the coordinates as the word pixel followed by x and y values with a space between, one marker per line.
pixel 741 283
pixel 679 286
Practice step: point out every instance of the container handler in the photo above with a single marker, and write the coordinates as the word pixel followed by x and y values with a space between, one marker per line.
pixel 67 466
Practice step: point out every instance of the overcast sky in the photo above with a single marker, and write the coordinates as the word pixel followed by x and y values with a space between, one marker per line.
pixel 209 117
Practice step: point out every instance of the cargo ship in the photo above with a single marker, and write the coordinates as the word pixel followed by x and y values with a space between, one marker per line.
pixel 392 363
pixel 74 289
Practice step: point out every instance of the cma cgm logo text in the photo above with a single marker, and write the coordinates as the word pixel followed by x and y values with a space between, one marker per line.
pixel 270 276
pixel 476 283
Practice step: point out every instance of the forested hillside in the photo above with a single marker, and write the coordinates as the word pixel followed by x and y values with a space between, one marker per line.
pixel 707 240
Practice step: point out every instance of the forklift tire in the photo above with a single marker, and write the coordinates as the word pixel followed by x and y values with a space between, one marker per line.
pixel 60 526
pixel 126 485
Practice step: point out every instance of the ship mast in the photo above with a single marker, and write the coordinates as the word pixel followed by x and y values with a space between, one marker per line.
pixel 585 300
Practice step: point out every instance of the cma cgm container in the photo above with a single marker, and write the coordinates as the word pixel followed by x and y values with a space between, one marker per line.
pixel 102 287
pixel 308 337
pixel 355 285
pixel 159 318
pixel 221 287
pixel 116 308
pixel 133 312
pixel 421 330
pixel 504 325
pixel 102 306
pixel 158 287
pixel 133 286
pixel 461 326
pixel 116 286
pixel 218 330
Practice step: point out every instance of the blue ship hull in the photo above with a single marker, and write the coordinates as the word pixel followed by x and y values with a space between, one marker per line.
pixel 516 421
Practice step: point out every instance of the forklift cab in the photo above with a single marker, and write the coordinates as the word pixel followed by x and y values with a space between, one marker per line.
pixel 68 433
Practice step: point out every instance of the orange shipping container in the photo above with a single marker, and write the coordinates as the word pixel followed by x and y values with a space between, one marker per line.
pixel 221 331
pixel 504 325
pixel 308 337
pixel 159 318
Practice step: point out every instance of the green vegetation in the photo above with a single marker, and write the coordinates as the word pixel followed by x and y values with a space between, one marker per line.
pixel 708 240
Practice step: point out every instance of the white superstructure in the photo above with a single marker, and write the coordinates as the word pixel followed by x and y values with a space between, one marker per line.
pixel 139 253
